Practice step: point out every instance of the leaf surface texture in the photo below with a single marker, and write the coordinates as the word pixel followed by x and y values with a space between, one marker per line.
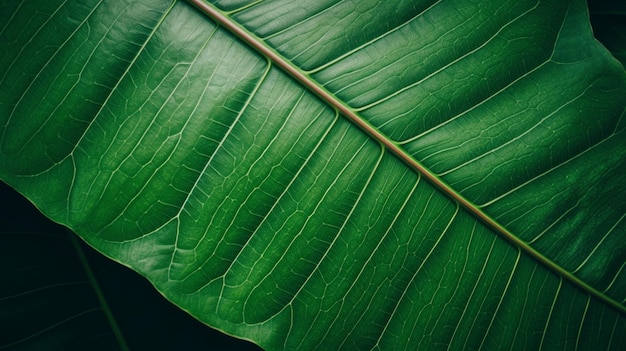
pixel 175 148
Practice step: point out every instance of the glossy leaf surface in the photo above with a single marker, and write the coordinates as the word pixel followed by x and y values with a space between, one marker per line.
pixel 259 207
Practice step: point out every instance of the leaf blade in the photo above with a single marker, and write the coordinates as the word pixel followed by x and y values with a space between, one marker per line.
pixel 214 269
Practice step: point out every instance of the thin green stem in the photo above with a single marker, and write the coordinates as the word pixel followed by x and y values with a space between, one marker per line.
pixel 96 287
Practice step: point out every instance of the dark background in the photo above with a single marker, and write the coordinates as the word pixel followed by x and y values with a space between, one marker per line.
pixel 47 303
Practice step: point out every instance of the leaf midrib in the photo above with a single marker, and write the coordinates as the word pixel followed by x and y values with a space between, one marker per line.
pixel 275 58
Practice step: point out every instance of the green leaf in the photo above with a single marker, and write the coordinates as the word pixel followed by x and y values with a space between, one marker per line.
pixel 336 175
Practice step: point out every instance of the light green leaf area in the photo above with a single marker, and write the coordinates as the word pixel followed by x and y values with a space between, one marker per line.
pixel 259 207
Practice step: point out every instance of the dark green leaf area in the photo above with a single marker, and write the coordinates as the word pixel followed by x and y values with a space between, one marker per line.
pixel 578 205
pixel 312 42
pixel 459 54
pixel 70 52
